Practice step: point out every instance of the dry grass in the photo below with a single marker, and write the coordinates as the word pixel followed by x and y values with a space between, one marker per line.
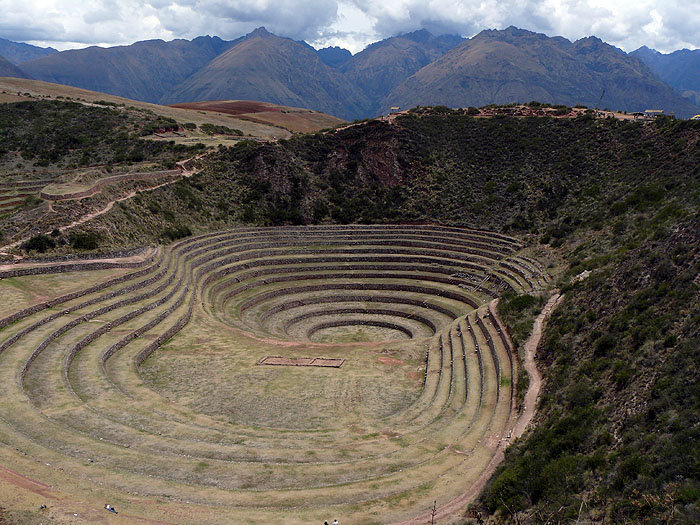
pixel 269 124
pixel 201 433
pixel 21 292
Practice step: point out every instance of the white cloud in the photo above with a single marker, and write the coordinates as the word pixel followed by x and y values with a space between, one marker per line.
pixel 662 24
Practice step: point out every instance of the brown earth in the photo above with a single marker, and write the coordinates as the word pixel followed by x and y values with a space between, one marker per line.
pixel 25 483
pixel 390 361
pixel 232 107
pixel 296 120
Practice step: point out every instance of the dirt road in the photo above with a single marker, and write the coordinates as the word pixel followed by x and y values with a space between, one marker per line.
pixel 458 504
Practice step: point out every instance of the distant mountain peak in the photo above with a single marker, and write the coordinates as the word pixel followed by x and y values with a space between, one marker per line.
pixel 334 56
pixel 591 40
pixel 509 33
pixel 259 31
pixel 647 51
pixel 420 36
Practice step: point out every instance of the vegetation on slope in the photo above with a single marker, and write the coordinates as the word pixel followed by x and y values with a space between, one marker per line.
pixel 619 413
pixel 71 134
pixel 553 178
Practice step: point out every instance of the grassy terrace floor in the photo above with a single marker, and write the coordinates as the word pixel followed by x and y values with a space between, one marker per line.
pixel 147 392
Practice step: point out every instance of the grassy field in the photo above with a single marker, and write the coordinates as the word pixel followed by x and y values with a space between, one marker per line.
pixel 21 292
pixel 146 391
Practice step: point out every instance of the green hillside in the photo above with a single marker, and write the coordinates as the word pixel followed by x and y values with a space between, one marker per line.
pixel 73 135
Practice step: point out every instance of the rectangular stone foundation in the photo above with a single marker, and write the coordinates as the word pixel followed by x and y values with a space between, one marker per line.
pixel 302 361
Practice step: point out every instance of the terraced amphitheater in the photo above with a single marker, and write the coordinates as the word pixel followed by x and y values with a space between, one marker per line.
pixel 149 386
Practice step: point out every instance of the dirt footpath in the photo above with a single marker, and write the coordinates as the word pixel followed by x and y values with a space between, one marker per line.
pixel 458 504
pixel 533 391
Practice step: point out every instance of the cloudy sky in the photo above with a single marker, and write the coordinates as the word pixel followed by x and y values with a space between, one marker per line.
pixel 665 25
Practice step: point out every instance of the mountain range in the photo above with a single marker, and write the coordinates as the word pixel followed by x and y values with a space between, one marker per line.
pixel 18 52
pixel 495 66
pixel 143 71
pixel 680 69
pixel 267 67
pixel 517 65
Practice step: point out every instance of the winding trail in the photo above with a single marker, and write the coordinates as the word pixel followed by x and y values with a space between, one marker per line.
pixel 533 391
pixel 518 428
pixel 184 172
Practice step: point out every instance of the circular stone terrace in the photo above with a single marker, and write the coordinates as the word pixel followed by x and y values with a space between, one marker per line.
pixel 261 374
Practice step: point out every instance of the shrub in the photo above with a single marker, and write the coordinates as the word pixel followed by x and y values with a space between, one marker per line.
pixel 603 345
pixel 32 201
pixel 39 243
pixel 89 240
pixel 173 233
pixel 213 129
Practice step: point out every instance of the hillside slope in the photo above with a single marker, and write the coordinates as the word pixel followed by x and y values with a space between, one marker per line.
pixel 680 69
pixel 23 90
pixel 517 65
pixel 8 69
pixel 297 120
pixel 269 68
pixel 142 71
pixel 381 66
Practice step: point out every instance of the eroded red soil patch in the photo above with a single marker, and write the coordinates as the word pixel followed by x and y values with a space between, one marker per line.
pixel 231 107
pixel 25 482
pixel 391 361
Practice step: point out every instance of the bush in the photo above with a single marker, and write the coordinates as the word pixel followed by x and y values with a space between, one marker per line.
pixel 31 201
pixel 39 243
pixel 603 345
pixel 161 124
pixel 213 129
pixel 85 240
pixel 173 233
